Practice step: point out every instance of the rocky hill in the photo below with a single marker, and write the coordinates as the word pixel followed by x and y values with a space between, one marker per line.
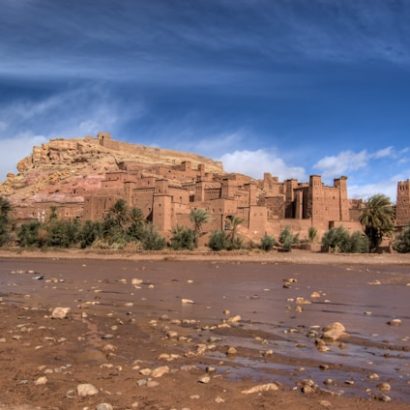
pixel 62 166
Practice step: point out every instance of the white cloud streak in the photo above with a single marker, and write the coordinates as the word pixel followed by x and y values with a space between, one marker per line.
pixel 73 113
pixel 255 163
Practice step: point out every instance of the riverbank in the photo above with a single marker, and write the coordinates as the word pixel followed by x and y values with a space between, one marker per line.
pixel 157 335
pixel 297 256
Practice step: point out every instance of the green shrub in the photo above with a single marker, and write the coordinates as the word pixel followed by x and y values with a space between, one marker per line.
pixel 336 239
pixel 267 242
pixel 312 234
pixel 136 229
pixel 402 242
pixel 152 240
pixel 5 208
pixel 183 238
pixel 359 243
pixel 90 232
pixel 234 244
pixel 218 241
pixel 63 234
pixel 28 234
pixel 339 240
pixel 287 239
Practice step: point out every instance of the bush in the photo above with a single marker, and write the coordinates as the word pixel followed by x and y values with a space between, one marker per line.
pixel 28 234
pixel 152 240
pixel 5 208
pixel 63 234
pixel 234 244
pixel 402 242
pixel 267 242
pixel 339 240
pixel 4 231
pixel 287 239
pixel 312 234
pixel 336 239
pixel 183 238
pixel 135 231
pixel 359 243
pixel 90 231
pixel 218 241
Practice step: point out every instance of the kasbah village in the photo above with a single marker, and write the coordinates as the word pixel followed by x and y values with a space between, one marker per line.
pixel 134 277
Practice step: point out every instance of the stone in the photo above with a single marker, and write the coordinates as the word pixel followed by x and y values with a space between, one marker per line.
pixel 204 380
pixel 325 403
pixel 187 301
pixel 104 406
pixel 86 389
pixel 41 381
pixel 384 387
pixel 234 319
pixel 334 331
pixel 136 281
pixel 160 371
pixel 261 388
pixel 231 351
pixel 60 312
pixel 394 322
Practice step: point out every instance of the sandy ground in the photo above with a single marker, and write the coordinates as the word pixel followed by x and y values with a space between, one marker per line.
pixel 296 256
pixel 117 329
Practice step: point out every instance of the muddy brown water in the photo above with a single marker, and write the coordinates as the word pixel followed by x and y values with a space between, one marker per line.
pixel 255 292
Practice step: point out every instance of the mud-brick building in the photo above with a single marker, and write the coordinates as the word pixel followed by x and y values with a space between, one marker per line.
pixel 167 194
pixel 403 204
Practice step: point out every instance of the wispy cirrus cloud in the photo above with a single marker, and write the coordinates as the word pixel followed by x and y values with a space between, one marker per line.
pixel 73 113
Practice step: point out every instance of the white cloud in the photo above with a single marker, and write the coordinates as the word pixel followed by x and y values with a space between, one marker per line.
pixel 348 161
pixel 77 112
pixel 14 149
pixel 388 187
pixel 342 163
pixel 384 153
pixel 255 163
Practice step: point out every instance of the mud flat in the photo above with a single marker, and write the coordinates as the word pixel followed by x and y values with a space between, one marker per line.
pixel 203 335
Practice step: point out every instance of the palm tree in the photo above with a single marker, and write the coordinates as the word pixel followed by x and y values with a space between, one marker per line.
pixel 198 217
pixel 378 219
pixel 118 213
pixel 235 221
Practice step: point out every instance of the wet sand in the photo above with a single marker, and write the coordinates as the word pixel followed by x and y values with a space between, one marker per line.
pixel 115 330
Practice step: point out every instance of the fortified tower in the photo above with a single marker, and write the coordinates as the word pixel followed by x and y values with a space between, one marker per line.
pixel 403 203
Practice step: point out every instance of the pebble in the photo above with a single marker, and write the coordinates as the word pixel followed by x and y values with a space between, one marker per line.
pixel 40 381
pixel 394 322
pixel 231 351
pixel 334 331
pixel 261 388
pixel 384 387
pixel 204 380
pixel 60 312
pixel 160 371
pixel 104 406
pixel 86 389
pixel 187 301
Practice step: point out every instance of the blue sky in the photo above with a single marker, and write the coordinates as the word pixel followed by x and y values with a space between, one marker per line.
pixel 293 87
